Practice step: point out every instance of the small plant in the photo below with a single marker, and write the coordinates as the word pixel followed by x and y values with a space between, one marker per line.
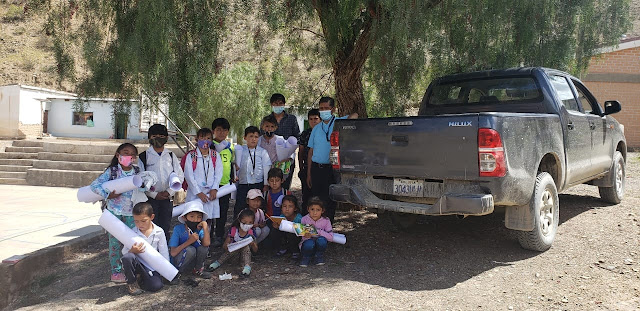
pixel 19 31
pixel 14 13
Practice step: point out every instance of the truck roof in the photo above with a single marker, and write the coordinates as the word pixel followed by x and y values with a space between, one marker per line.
pixel 519 71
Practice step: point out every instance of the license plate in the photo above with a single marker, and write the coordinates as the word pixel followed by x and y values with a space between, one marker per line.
pixel 408 187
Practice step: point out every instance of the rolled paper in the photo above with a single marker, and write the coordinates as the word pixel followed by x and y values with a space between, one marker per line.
pixel 232 247
pixel 287 226
pixel 339 238
pixel 226 189
pixel 220 146
pixel 292 140
pixel 177 210
pixel 284 150
pixel 126 236
pixel 174 182
pixel 149 179
pixel 238 157
pixel 120 185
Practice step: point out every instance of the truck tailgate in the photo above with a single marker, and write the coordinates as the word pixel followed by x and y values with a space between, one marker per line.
pixel 437 147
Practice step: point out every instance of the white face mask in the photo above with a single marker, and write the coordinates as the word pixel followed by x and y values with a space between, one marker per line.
pixel 246 227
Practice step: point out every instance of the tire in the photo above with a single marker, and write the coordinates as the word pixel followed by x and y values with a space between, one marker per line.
pixel 395 222
pixel 544 206
pixel 615 194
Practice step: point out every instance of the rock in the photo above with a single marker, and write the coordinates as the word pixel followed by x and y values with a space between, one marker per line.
pixel 611 268
pixel 628 261
pixel 601 260
pixel 537 275
pixel 510 307
pixel 564 299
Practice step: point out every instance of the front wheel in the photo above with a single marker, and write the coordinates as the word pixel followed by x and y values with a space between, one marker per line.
pixel 616 193
pixel 544 207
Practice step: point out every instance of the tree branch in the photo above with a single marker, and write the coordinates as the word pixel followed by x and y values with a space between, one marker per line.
pixel 311 31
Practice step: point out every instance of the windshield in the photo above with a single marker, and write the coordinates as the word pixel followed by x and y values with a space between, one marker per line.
pixel 486 91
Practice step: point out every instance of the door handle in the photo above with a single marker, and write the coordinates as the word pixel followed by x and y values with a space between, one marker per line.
pixel 570 125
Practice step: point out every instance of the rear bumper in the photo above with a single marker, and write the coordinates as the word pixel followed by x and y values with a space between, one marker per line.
pixel 448 204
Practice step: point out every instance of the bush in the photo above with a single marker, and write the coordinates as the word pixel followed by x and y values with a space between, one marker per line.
pixel 14 13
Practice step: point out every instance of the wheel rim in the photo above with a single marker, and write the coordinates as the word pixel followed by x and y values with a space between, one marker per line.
pixel 619 179
pixel 546 212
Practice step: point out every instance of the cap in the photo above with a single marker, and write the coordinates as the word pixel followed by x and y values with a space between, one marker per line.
pixel 254 193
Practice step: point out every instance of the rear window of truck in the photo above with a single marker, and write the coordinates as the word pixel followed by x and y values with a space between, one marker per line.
pixel 486 91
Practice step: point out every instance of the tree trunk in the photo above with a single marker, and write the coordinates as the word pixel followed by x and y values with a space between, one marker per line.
pixel 349 93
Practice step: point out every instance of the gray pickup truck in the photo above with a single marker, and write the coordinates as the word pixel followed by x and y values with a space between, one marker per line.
pixel 510 138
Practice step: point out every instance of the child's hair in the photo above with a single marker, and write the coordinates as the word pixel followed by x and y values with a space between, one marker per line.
pixel 275 172
pixel 251 129
pixel 244 213
pixel 143 208
pixel 114 161
pixel 157 129
pixel 277 96
pixel 316 201
pixel 220 122
pixel 292 199
pixel 203 132
pixel 269 119
pixel 313 112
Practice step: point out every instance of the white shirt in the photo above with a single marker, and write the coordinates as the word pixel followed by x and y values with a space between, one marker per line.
pixel 206 177
pixel 163 165
pixel 254 165
pixel 156 239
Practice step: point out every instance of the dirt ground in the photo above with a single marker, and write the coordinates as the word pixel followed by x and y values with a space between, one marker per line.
pixel 444 263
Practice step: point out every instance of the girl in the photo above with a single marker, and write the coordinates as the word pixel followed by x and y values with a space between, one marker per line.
pixel 315 245
pixel 289 241
pixel 242 228
pixel 255 201
pixel 120 205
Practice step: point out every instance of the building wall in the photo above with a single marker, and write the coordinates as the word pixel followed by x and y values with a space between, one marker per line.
pixel 616 76
pixel 9 110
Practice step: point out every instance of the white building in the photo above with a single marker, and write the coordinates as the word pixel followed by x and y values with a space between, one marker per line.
pixel 27 111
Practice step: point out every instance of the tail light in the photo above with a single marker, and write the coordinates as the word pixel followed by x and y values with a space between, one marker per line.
pixel 334 154
pixel 491 153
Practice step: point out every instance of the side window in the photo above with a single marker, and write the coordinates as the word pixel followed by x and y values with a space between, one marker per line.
pixel 588 104
pixel 564 92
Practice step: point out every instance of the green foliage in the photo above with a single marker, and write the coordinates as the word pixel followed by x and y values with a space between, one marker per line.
pixel 14 13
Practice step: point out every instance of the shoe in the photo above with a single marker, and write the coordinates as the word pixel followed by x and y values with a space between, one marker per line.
pixel 202 274
pixel 246 271
pixel 214 265
pixel 190 282
pixel 281 252
pixel 295 256
pixel 217 242
pixel 319 260
pixel 134 289
pixel 176 280
pixel 118 278
pixel 304 262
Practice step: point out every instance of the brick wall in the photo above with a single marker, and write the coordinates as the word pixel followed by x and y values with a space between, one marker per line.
pixel 623 84
pixel 30 130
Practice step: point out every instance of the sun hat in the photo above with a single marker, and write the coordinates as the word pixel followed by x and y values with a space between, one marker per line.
pixel 193 206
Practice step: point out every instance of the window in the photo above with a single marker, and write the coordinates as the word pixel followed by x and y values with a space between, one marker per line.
pixel 587 101
pixel 486 91
pixel 564 92
pixel 80 118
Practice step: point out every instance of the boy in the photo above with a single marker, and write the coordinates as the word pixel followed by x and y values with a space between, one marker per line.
pixel 221 128
pixel 253 168
pixel 275 179
pixel 204 180
pixel 287 126
pixel 131 264
pixel 268 142
pixel 189 243
pixel 314 118
pixel 162 162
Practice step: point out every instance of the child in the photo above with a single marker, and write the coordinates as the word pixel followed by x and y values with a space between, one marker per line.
pixel 221 128
pixel 315 245
pixel 275 179
pixel 120 205
pixel 132 264
pixel 253 168
pixel 189 243
pixel 204 180
pixel 242 228
pixel 163 162
pixel 268 142
pixel 255 201
pixel 314 118
pixel 287 241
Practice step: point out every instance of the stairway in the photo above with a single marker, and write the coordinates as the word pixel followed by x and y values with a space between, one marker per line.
pixel 17 160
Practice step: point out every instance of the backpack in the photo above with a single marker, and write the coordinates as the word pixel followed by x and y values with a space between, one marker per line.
pixel 113 175
pixel 194 163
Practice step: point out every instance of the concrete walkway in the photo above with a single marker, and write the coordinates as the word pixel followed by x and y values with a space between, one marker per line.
pixel 32 218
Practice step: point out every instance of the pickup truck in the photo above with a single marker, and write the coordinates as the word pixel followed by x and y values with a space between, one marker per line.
pixel 511 138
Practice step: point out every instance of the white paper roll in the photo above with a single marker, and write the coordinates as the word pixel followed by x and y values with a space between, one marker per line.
pixel 119 185
pixel 220 146
pixel 226 189
pixel 232 247
pixel 177 210
pixel 339 238
pixel 285 150
pixel 238 157
pixel 174 182
pixel 127 237
pixel 287 226
pixel 292 140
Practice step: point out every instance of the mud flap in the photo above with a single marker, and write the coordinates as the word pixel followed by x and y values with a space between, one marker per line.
pixel 518 218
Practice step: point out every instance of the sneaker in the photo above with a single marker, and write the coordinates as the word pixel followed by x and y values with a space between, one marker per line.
pixel 217 242
pixel 118 278
pixel 246 271
pixel 134 289
pixel 319 260
pixel 190 282
pixel 176 280
pixel 281 252
pixel 304 262
pixel 202 274
pixel 214 265
pixel 295 256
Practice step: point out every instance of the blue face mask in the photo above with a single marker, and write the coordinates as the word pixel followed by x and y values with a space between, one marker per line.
pixel 277 109
pixel 204 143
pixel 325 115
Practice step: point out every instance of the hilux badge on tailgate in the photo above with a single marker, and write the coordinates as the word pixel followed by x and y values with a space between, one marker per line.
pixel 349 127
pixel 458 123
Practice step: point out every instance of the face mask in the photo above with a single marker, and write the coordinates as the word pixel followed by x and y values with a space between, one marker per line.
pixel 277 109
pixel 246 227
pixel 158 141
pixel 192 225
pixel 325 115
pixel 269 134
pixel 125 160
pixel 204 143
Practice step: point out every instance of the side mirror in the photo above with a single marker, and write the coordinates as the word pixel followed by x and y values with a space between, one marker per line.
pixel 611 107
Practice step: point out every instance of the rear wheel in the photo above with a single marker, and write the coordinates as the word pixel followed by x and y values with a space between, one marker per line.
pixel 544 207
pixel 616 193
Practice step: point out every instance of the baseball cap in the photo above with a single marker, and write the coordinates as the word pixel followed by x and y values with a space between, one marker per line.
pixel 254 193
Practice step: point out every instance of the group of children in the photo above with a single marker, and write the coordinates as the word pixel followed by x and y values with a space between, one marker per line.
pixel 260 196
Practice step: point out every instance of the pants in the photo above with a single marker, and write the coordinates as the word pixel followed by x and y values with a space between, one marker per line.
pixel 191 259
pixel 241 197
pixel 313 247
pixel 222 221
pixel 321 179
pixel 287 182
pixel 306 191
pixel 115 247
pixel 244 253
pixel 150 281
pixel 261 233
pixel 163 210
pixel 287 240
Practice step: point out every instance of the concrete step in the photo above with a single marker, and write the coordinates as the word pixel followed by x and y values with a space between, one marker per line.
pixel 93 158
pixel 17 175
pixel 28 143
pixel 99 148
pixel 60 178
pixel 20 162
pixel 24 149
pixel 18 155
pixel 13 181
pixel 69 166
pixel 14 168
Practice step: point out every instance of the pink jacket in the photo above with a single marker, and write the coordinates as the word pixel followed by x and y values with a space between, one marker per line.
pixel 323 226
